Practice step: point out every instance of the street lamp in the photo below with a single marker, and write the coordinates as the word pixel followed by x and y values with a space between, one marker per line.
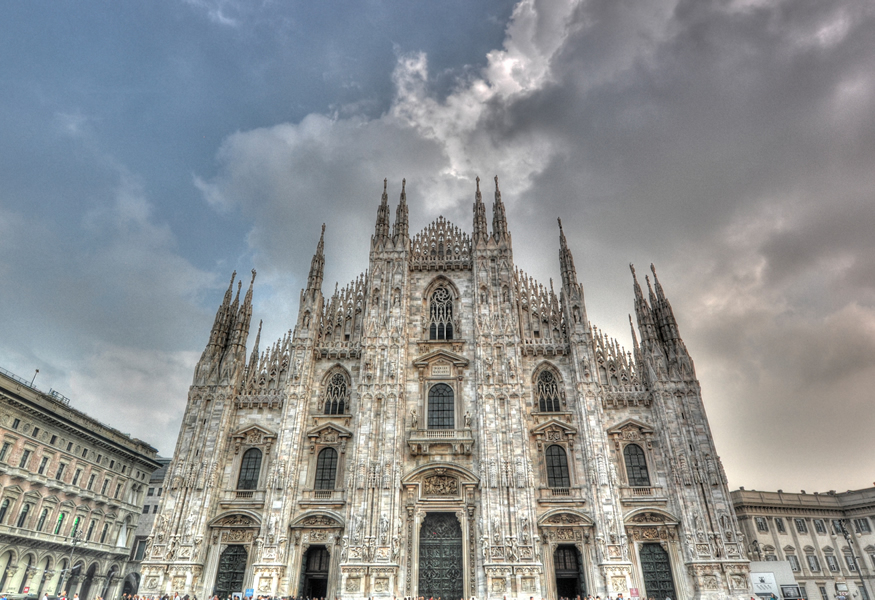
pixel 75 540
pixel 847 535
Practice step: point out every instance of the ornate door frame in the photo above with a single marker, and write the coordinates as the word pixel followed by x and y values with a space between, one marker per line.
pixel 560 528
pixel 316 529
pixel 235 528
pixel 654 526
pixel 439 487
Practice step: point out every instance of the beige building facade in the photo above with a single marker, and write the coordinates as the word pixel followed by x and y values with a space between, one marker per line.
pixel 827 538
pixel 446 426
pixel 72 493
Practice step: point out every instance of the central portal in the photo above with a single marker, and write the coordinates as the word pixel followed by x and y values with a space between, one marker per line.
pixel 440 556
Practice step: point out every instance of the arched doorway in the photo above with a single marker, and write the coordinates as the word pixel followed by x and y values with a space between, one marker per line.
pixel 132 583
pixel 314 572
pixel 75 578
pixel 43 578
pixel 440 556
pixel 86 584
pixel 232 569
pixel 656 568
pixel 568 569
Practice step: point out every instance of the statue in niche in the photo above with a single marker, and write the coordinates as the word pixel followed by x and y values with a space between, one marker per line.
pixel 467 420
pixel 414 418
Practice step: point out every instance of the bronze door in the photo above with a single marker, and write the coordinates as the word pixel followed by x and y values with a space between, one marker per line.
pixel 656 566
pixel 440 557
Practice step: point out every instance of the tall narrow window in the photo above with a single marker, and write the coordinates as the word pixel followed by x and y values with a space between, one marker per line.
pixel 250 467
pixel 441 315
pixel 22 516
pixel 4 507
pixel 548 392
pixel 326 469
pixel 75 527
pixel 335 395
pixel 25 457
pixel 636 466
pixel 441 407
pixel 90 530
pixel 59 524
pixel 557 468
pixel 103 533
pixel 42 519
pixel 43 463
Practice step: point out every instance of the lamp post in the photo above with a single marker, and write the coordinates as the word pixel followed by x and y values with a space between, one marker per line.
pixel 75 540
pixel 847 535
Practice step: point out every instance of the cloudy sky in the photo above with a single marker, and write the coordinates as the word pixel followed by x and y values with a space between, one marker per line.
pixel 149 149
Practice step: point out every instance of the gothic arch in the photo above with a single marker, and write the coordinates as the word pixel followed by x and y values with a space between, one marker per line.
pixel 553 402
pixel 440 281
pixel 346 401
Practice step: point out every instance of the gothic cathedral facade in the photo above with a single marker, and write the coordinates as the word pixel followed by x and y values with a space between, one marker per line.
pixel 445 426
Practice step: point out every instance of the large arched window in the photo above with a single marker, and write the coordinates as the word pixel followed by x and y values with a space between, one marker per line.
pixel 547 391
pixel 441 315
pixel 557 468
pixel 326 469
pixel 636 466
pixel 441 407
pixel 250 467
pixel 335 395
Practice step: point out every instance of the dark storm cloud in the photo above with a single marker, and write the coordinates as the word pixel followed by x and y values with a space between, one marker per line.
pixel 729 142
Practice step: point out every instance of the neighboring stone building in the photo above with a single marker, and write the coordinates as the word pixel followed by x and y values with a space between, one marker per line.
pixel 808 531
pixel 150 509
pixel 446 426
pixel 71 488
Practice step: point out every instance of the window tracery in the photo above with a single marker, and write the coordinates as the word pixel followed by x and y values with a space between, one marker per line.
pixel 441 315
pixel 336 394
pixel 547 392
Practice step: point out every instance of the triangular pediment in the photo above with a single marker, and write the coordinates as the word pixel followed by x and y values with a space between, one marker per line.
pixel 251 430
pixel 328 429
pixel 554 425
pixel 13 489
pixel 441 355
pixel 33 495
pixel 68 504
pixel 630 425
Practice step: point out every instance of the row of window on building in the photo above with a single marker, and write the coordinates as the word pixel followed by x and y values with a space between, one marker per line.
pixel 861 525
pixel 53 441
pixel 58 528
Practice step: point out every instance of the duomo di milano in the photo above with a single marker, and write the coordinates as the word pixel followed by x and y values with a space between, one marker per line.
pixel 446 426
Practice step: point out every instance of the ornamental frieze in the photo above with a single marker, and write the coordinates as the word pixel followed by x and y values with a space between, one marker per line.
pixel 440 485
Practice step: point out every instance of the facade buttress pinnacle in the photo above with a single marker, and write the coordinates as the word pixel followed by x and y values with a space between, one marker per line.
pixel 566 262
pixel 499 219
pixel 400 230
pixel 317 267
pixel 381 230
pixel 481 233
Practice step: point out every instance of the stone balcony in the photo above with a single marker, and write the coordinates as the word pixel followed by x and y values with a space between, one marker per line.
pixel 323 498
pixel 642 495
pixel 426 442
pixel 557 495
pixel 243 498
